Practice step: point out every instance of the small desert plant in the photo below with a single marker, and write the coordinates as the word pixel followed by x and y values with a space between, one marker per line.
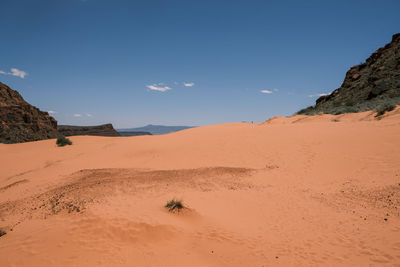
pixel 380 110
pixel 63 141
pixel 2 232
pixel 174 205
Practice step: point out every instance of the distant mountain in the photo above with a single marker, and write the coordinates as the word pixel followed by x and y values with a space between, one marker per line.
pixel 22 122
pixel 98 130
pixel 156 129
pixel 367 86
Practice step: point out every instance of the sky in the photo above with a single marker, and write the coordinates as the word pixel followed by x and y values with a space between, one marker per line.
pixel 169 62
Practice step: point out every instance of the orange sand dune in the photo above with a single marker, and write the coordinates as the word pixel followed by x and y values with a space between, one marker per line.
pixel 296 191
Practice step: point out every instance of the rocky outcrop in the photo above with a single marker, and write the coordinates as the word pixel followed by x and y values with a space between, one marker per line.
pixel 22 122
pixel 99 130
pixel 366 86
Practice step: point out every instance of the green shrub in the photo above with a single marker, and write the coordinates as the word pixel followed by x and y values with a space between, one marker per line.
pixel 350 102
pixel 380 110
pixel 374 104
pixel 305 110
pixel 174 204
pixel 337 104
pixel 63 141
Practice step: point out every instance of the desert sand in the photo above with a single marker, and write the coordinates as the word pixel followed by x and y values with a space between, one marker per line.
pixel 296 191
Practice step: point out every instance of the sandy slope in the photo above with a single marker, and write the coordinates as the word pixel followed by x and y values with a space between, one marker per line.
pixel 297 191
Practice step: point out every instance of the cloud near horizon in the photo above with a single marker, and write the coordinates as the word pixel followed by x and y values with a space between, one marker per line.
pixel 266 91
pixel 188 84
pixel 51 112
pixel 15 72
pixel 156 87
pixel 77 115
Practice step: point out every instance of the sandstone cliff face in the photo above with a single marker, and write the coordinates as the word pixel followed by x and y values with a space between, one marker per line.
pixel 22 122
pixel 367 85
pixel 99 130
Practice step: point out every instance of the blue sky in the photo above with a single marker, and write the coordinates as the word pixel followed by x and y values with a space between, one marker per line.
pixel 171 62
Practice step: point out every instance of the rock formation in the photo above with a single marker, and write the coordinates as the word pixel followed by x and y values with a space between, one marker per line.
pixel 22 122
pixel 366 86
pixel 99 130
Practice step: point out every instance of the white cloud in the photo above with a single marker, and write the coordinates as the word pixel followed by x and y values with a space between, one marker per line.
pixel 89 115
pixel 188 84
pixel 77 115
pixel 323 94
pixel 266 91
pixel 18 73
pixel 276 89
pixel 155 87
pixel 15 72
pixel 52 112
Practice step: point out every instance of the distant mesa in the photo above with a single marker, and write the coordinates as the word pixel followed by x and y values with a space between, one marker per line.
pixel 22 122
pixel 98 130
pixel 366 86
pixel 134 133
pixel 155 129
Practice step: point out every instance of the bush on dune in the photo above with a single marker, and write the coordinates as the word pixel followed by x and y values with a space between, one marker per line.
pixel 63 141
pixel 174 205
pixel 380 110
pixel 2 232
